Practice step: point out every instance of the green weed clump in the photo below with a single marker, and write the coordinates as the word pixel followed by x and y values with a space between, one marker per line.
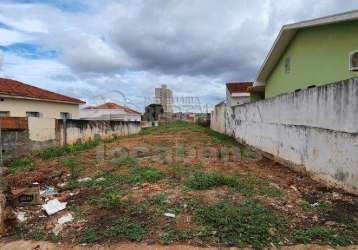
pixel 58 151
pixel 247 186
pixel 145 174
pixel 24 163
pixel 323 235
pixel 89 236
pixel 123 228
pixel 203 180
pixel 127 161
pixel 74 166
pixel 245 224
pixel 109 199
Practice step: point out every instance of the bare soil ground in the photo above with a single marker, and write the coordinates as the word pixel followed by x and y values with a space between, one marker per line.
pixel 178 185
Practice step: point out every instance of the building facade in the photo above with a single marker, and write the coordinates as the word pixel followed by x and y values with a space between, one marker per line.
pixel 18 99
pixel 164 96
pixel 237 93
pixel 311 53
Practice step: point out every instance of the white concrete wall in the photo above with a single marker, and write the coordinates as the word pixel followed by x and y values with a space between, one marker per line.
pixel 217 119
pixel 41 129
pixel 18 108
pixel 315 128
pixel 89 130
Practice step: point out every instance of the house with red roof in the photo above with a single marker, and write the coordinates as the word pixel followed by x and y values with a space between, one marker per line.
pixel 18 99
pixel 110 111
pixel 238 93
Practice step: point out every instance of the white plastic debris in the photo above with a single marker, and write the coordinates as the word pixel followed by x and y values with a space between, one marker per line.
pixel 65 219
pixel 169 215
pixel 316 204
pixel 35 183
pixel 84 179
pixel 100 179
pixel 61 185
pixel 21 216
pixel 53 206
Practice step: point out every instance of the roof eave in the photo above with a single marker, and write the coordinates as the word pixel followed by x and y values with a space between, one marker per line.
pixel 79 102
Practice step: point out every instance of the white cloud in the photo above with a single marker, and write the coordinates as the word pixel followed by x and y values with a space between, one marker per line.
pixel 8 37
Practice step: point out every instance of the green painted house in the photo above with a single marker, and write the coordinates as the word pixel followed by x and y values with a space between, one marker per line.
pixel 309 54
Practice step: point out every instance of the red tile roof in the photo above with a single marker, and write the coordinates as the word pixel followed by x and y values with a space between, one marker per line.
pixel 19 89
pixel 238 87
pixel 111 105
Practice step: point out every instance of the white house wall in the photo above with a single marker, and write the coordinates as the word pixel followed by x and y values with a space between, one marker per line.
pixel 18 108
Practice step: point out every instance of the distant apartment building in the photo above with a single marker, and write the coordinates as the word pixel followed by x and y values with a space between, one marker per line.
pixel 18 99
pixel 110 111
pixel 164 96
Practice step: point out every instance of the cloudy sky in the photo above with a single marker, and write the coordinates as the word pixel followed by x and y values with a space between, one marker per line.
pixel 104 49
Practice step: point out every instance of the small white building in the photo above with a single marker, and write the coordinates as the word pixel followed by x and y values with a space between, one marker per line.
pixel 110 111
pixel 237 93
pixel 18 99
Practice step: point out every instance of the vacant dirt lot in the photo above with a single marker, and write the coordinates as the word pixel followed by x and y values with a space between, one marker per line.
pixel 178 184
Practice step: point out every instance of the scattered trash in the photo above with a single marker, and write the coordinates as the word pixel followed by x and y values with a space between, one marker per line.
pixel 53 206
pixel 21 216
pixel 35 183
pixel 48 191
pixel 169 215
pixel 84 179
pixel 65 219
pixel 316 204
pixel 26 196
pixel 61 185
pixel 100 179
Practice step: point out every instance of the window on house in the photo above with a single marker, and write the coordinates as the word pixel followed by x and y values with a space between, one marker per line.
pixel 4 113
pixel 353 61
pixel 32 114
pixel 65 115
pixel 287 65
